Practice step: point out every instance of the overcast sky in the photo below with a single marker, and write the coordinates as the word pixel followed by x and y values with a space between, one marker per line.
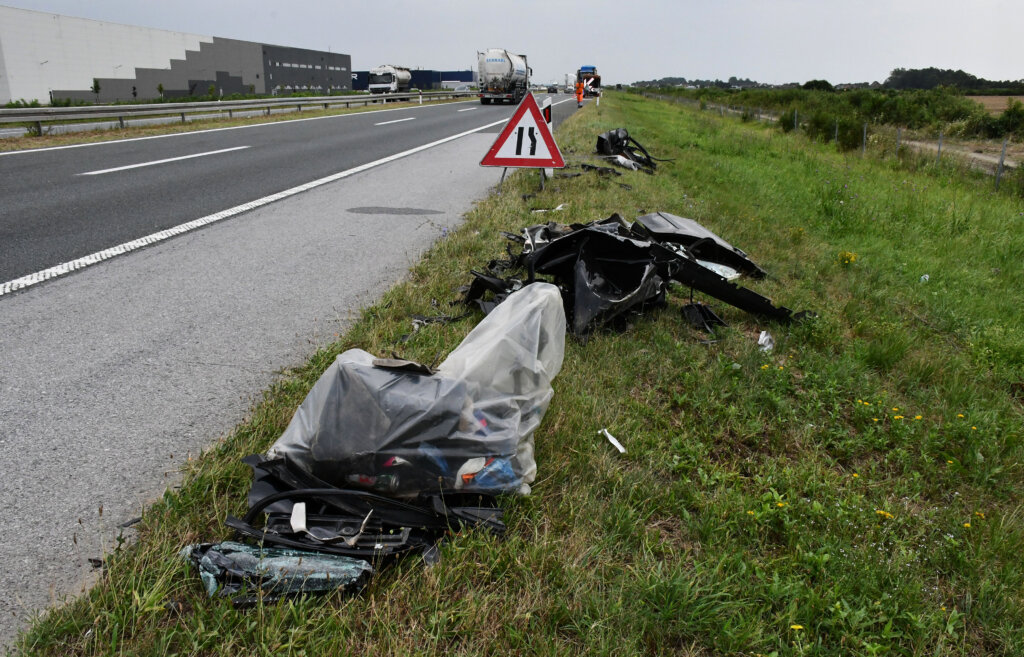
pixel 771 41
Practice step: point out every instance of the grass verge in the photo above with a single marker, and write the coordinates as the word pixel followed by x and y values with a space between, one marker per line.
pixel 854 491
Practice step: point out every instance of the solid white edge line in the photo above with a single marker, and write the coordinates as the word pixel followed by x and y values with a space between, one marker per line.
pixel 169 159
pixel 120 249
pixel 468 109
pixel 234 127
pixel 409 118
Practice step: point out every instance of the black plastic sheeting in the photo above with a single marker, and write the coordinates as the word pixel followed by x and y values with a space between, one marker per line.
pixel 607 268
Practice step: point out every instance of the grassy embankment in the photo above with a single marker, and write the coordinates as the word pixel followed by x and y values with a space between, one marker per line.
pixel 855 491
pixel 194 125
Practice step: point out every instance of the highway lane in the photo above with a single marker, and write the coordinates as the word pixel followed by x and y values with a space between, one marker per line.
pixel 112 375
pixel 51 213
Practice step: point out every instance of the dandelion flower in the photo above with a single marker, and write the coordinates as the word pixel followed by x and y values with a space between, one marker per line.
pixel 750 513
pixel 855 474
pixel 980 514
pixel 967 525
pixel 780 504
pixel 917 417
pixel 897 417
pixel 959 414
pixel 895 408
pixel 974 428
pixel 885 514
pixel 796 627
pixel 943 607
pixel 949 462
pixel 875 419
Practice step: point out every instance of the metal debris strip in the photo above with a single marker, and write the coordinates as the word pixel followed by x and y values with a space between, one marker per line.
pixel 609 269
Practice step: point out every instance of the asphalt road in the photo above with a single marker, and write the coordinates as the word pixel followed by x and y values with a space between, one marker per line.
pixel 113 374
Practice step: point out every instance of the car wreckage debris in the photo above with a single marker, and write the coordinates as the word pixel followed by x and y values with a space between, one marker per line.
pixel 618 147
pixel 607 268
pixel 386 457
pixel 267 573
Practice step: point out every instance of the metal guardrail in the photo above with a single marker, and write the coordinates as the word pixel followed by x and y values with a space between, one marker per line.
pixel 41 115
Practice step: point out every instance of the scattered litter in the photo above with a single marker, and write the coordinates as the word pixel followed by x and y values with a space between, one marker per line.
pixel 615 443
pixel 765 341
pixel 924 278
pixel 230 568
pixel 559 208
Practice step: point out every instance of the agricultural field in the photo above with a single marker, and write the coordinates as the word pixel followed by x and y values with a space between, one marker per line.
pixel 995 104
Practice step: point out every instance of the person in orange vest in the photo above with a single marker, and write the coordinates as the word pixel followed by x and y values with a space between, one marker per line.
pixel 579 93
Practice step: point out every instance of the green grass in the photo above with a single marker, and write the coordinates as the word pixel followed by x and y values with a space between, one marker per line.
pixel 856 491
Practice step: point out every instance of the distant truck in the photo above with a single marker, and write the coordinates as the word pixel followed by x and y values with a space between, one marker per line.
pixel 590 79
pixel 504 76
pixel 389 79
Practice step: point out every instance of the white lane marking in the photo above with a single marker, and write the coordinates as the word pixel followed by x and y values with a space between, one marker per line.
pixel 169 159
pixel 411 118
pixel 100 256
pixel 468 109
pixel 234 127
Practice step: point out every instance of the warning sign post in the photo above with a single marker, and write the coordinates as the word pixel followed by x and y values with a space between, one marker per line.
pixel 526 141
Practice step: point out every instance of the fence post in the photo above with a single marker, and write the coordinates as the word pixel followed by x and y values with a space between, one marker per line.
pixel 898 131
pixel 796 121
pixel 999 171
pixel 938 156
pixel 837 132
pixel 864 140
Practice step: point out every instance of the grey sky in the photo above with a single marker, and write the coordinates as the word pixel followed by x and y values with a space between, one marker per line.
pixel 765 40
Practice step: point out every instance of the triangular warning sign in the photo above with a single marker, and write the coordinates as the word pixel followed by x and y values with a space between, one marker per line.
pixel 526 141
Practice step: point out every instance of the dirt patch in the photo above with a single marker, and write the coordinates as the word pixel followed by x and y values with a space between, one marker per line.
pixel 995 104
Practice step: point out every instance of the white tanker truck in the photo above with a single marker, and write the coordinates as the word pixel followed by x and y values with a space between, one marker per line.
pixel 503 76
pixel 389 79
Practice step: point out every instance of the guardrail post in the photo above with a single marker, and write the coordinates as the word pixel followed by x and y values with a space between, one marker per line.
pixel 183 117
pixel 39 132
pixel 421 99
pixel 298 108
pixel 230 115
pixel 120 121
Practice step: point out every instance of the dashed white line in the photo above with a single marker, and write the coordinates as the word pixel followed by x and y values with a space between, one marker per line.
pixel 411 118
pixel 468 109
pixel 164 161
pixel 100 256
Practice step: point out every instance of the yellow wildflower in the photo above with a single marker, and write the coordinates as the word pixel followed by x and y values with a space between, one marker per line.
pixel 750 513
pixel 949 462
pixel 885 514
pixel 796 627
pixel 974 428
pixel 855 474
pixel 980 514
pixel 780 504
pixel 967 525
pixel 959 414
pixel 917 417
pixel 897 417
pixel 875 419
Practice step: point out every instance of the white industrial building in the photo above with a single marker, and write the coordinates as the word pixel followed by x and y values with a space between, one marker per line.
pixel 46 56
